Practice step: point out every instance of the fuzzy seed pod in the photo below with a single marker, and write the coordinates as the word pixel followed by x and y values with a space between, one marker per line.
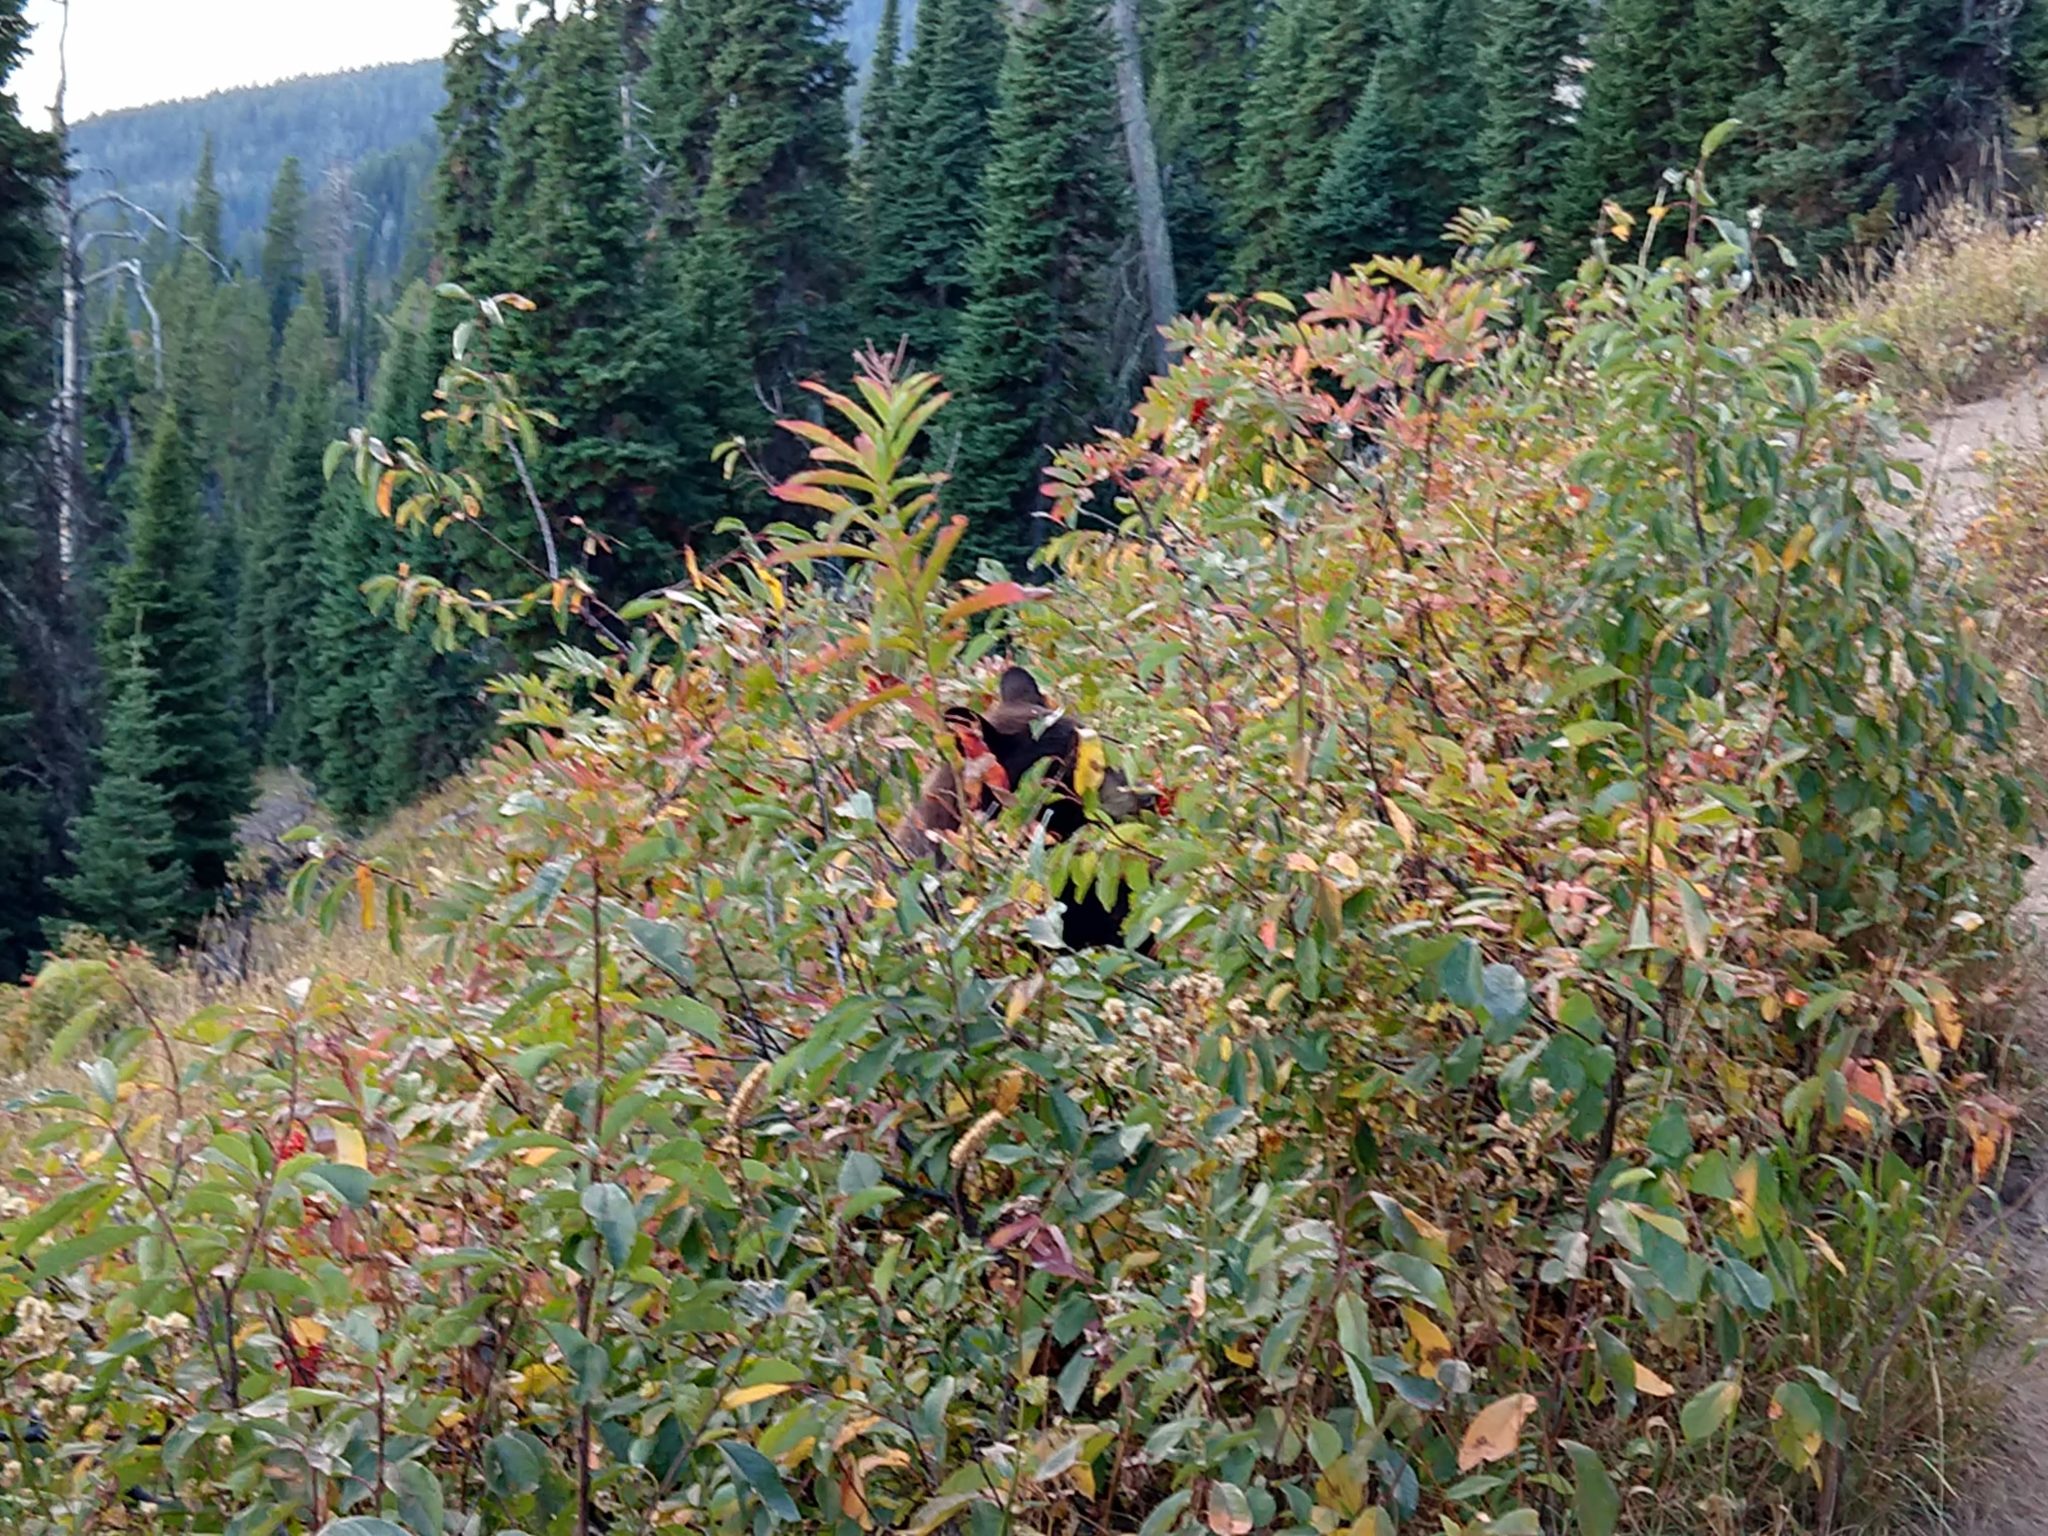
pixel 968 1147
pixel 744 1101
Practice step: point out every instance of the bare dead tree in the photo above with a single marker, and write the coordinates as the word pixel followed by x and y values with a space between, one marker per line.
pixel 1154 239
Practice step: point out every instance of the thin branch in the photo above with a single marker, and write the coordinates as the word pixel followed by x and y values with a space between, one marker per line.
pixel 132 206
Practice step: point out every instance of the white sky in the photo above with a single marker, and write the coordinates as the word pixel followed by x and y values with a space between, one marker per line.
pixel 124 53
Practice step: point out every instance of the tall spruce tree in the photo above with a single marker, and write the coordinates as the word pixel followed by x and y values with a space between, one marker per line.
pixel 278 587
pixel 164 600
pixel 1315 61
pixel 1405 163
pixel 924 212
pixel 601 352
pixel 1632 116
pixel 284 245
pixel 682 112
pixel 30 749
pixel 1527 130
pixel 1202 52
pixel 466 180
pixel 202 217
pixel 1029 367
pixel 127 880
pixel 770 265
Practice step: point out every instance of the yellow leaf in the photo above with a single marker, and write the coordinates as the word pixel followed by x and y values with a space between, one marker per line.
pixel 307 1331
pixel 1089 764
pixel 349 1150
pixel 1083 1478
pixel 536 1379
pixel 533 1157
pixel 1432 1344
pixel 366 895
pixel 1925 1037
pixel 1947 1018
pixel 1650 1384
pixel 690 565
pixel 739 1397
pixel 1495 1432
pixel 1403 827
pixel 1240 1354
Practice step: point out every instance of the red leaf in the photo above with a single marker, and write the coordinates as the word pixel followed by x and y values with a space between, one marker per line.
pixel 997 594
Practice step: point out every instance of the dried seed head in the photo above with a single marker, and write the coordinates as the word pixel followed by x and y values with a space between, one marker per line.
pixel 741 1109
pixel 968 1147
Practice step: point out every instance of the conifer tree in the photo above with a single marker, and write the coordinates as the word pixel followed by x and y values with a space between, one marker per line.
pixel 682 113
pixel 1314 64
pixel 277 579
pixel 600 352
pixel 111 392
pixel 164 602
pixel 519 150
pixel 32 755
pixel 1526 130
pixel 1629 121
pixel 1029 368
pixel 1405 163
pixel 1202 52
pixel 924 217
pixel 126 878
pixel 202 217
pixel 878 100
pixel 284 255
pixel 466 181
pixel 770 266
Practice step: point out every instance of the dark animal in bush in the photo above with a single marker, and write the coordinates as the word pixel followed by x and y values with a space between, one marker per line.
pixel 1023 732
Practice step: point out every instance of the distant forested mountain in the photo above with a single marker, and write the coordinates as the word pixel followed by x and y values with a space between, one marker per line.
pixel 378 122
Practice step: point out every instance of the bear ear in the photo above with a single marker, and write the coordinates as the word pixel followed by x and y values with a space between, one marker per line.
pixel 1020 687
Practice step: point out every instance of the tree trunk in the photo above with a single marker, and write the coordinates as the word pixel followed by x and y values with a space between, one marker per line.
pixel 70 466
pixel 1155 243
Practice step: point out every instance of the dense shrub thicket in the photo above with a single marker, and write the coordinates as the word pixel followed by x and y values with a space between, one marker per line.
pixel 1546 1104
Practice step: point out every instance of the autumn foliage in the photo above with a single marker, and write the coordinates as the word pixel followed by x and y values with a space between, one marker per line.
pixel 1546 1105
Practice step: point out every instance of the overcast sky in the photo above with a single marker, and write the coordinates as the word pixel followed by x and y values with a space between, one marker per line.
pixel 124 53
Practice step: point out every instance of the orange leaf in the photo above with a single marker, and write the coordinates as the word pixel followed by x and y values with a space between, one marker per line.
pixel 859 707
pixel 997 594
pixel 1496 1431
pixel 366 896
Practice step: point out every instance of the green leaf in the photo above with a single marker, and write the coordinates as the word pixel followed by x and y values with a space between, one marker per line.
pixel 60 1258
pixel 1709 1410
pixel 364 1525
pixel 512 1463
pixel 419 1498
pixel 759 1474
pixel 1594 1497
pixel 349 1184
pixel 1354 1338
pixel 588 1364
pixel 611 1208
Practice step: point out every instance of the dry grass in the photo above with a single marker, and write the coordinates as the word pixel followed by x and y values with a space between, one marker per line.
pixel 1963 303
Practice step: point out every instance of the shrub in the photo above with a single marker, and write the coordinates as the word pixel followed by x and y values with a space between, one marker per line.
pixel 1548 1100
pixel 1963 304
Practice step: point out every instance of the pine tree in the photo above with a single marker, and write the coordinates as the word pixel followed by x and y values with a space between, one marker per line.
pixel 1314 64
pixel 466 181
pixel 769 268
pixel 1028 368
pixel 284 256
pixel 519 151
pixel 1405 163
pixel 202 218
pixel 600 353
pixel 164 601
pixel 1202 53
pixel 126 878
pixel 277 579
pixel 878 100
pixel 1635 96
pixel 111 391
pixel 1526 131
pixel 31 753
pixel 924 213
pixel 682 113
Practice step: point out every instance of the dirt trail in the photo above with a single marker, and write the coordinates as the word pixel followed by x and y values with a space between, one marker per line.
pixel 2010 1496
